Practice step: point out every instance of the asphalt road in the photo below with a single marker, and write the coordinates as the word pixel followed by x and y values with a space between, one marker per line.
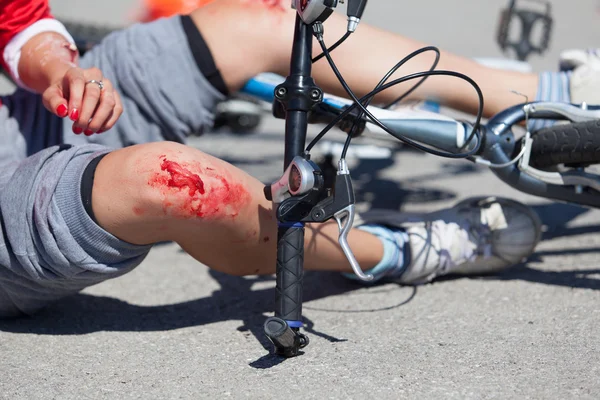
pixel 174 329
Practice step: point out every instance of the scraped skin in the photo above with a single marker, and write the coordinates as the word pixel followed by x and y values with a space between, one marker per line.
pixel 247 37
pixel 169 192
pixel 211 196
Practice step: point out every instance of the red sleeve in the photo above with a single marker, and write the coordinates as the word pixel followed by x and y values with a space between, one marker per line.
pixel 16 15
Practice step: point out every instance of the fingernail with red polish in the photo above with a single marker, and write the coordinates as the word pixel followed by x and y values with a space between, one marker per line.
pixel 62 110
pixel 74 114
pixel 77 130
pixel 88 132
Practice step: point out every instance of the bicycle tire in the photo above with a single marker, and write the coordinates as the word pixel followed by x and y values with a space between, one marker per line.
pixel 571 144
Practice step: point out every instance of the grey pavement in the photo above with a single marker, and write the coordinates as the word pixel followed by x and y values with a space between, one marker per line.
pixel 174 329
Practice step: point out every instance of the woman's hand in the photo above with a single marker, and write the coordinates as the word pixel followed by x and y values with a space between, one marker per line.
pixel 87 98
pixel 48 65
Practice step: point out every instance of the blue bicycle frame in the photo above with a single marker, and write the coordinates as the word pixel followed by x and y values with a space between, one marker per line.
pixel 497 143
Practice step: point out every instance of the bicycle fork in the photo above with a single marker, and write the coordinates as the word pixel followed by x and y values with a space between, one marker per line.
pixel 295 97
pixel 301 197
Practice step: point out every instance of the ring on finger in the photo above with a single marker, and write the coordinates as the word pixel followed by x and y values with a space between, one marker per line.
pixel 99 83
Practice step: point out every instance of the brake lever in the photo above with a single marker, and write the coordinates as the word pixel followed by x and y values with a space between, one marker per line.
pixel 574 113
pixel 345 219
pixel 303 197
pixel 340 206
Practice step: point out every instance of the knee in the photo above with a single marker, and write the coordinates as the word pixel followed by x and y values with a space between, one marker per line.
pixel 147 191
pixel 153 179
pixel 125 198
pixel 172 180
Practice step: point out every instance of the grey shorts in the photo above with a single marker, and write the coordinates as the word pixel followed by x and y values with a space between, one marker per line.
pixel 50 247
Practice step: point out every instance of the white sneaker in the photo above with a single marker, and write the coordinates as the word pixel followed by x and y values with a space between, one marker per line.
pixel 585 78
pixel 477 236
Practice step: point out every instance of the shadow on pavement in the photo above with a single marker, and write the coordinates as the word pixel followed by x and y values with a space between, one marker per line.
pixel 578 279
pixel 83 313
pixel 556 217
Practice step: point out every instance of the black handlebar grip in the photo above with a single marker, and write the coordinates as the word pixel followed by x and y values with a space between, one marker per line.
pixel 290 271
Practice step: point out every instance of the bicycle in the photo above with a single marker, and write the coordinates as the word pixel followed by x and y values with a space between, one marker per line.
pixel 302 195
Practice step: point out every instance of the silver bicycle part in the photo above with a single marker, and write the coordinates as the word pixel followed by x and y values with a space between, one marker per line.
pixel 489 164
pixel 569 111
pixel 312 11
pixel 345 220
pixel 297 179
pixel 503 121
pixel 353 23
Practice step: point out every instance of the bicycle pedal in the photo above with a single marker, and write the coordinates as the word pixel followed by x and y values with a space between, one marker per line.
pixel 529 19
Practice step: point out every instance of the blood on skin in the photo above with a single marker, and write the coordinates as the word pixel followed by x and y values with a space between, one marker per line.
pixel 138 211
pixel 187 194
pixel 266 239
pixel 182 178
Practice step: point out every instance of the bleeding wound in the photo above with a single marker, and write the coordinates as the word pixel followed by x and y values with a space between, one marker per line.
pixel 197 191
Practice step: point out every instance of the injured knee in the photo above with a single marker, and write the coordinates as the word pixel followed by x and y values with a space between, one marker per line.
pixel 196 188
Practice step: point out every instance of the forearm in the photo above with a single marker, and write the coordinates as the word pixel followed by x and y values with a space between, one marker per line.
pixel 39 54
pixel 46 58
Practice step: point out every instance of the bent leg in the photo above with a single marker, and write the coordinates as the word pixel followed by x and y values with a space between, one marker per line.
pixel 76 216
pixel 219 215
pixel 216 212
pixel 67 226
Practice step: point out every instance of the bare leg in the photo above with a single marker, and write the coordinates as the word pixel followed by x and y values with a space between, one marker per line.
pixel 216 212
pixel 246 38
